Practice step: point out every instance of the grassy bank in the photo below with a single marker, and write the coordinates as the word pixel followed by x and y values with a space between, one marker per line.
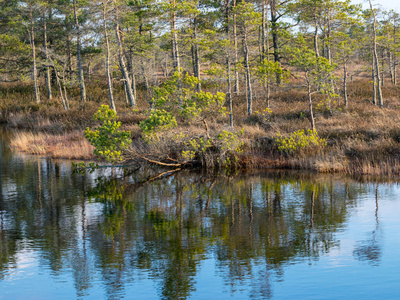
pixel 360 139
pixel 71 145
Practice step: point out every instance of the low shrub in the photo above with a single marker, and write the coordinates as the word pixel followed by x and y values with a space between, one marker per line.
pixel 299 141
pixel 159 120
pixel 109 141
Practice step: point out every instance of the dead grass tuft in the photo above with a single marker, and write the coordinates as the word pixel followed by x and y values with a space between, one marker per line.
pixel 70 145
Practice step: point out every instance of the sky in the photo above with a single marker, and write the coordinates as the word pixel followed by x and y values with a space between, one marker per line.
pixel 385 4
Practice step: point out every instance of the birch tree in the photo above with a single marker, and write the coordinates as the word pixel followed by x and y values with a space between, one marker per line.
pixel 247 19
pixel 105 9
pixel 375 54
pixel 78 52
pixel 31 22
pixel 121 58
pixel 317 74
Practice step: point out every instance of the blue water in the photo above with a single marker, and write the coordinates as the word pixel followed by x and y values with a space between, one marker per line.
pixel 114 235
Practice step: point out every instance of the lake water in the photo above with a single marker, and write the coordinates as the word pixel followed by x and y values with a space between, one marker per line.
pixel 272 235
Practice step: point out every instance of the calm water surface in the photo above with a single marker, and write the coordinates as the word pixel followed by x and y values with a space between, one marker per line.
pixel 112 235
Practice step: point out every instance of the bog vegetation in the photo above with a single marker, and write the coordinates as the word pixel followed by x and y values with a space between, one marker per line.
pixel 267 83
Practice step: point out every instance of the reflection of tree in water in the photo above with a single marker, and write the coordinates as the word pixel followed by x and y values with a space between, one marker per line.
pixel 295 219
pixel 254 225
pixel 39 215
pixel 251 225
pixel 7 245
pixel 165 240
pixel 370 250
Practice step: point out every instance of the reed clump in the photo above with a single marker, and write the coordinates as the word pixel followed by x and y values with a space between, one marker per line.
pixel 72 145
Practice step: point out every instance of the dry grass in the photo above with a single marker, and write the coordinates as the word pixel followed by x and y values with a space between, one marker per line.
pixel 70 145
pixel 362 138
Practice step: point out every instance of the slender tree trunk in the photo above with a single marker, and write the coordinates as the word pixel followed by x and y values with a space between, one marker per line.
pixel 390 63
pixel 34 67
pixel 324 46
pixel 312 121
pixel 263 32
pixel 196 60
pixel 46 55
pixel 109 80
pixel 126 94
pixel 60 90
pixel 395 53
pixel 268 83
pixel 146 84
pixel 69 56
pixel 235 45
pixel 345 82
pixel 132 72
pixel 192 53
pixel 373 81
pixel 328 45
pixel 146 89
pixel 261 55
pixel 389 58
pixel 316 38
pixel 121 58
pixel 133 83
pixel 229 94
pixel 164 68
pixel 248 76
pixel 245 80
pixel 175 50
pixel 63 93
pixel 383 68
pixel 89 71
pixel 65 88
pixel 380 98
pixel 228 65
pixel 275 37
pixel 79 56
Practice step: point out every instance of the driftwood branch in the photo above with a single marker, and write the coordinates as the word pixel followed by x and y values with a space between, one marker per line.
pixel 161 163
pixel 169 173
pixel 171 159
pixel 206 126
pixel 135 186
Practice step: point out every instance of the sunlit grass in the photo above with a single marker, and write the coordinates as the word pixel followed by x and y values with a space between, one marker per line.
pixel 71 145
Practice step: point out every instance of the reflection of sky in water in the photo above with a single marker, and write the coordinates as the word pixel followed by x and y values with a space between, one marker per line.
pixel 339 274
pixel 64 240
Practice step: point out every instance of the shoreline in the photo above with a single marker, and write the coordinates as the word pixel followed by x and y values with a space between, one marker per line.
pixel 73 148
pixel 361 139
